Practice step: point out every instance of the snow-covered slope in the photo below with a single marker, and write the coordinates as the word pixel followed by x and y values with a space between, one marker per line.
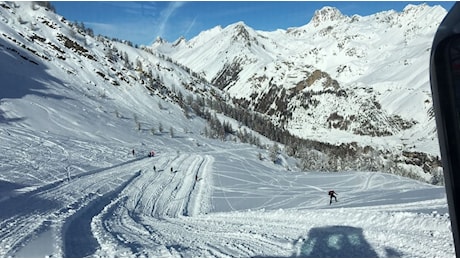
pixel 73 107
pixel 337 79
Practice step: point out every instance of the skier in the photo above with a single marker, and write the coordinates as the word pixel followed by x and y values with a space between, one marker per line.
pixel 332 195
pixel 154 168
pixel 132 152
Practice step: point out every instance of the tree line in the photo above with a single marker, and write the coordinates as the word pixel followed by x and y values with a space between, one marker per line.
pixel 313 155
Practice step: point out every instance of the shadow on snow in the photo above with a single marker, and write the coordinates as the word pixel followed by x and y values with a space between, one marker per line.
pixel 13 204
pixel 31 79
pixel 78 237
pixel 340 242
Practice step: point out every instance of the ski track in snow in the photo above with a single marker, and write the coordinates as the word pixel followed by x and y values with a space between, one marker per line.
pixel 70 188
pixel 219 200
pixel 129 209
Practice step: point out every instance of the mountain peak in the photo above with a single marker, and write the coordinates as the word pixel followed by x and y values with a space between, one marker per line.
pixel 416 11
pixel 326 14
pixel 160 40
pixel 412 7
pixel 180 41
pixel 239 27
pixel 241 32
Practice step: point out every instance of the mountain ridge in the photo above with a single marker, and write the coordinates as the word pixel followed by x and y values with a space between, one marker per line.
pixel 260 79
pixel 79 115
pixel 376 57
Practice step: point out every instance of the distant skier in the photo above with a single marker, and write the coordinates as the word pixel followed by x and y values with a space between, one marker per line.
pixel 154 168
pixel 132 152
pixel 332 195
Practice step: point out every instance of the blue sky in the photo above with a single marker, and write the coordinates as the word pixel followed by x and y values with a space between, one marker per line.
pixel 141 22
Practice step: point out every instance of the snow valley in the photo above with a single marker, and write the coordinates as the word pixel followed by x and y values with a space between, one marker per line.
pixel 79 113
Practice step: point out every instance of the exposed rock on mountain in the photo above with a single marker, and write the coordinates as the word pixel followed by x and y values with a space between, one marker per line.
pixel 335 79
pixel 341 93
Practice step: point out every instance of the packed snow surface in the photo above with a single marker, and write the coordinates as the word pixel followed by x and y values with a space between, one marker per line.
pixel 212 200
pixel 70 195
pixel 70 185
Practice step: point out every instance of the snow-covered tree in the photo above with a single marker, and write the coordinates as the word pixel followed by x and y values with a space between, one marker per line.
pixel 274 151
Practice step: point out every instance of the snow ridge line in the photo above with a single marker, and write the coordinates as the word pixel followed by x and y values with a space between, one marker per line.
pixel 200 195
pixel 194 172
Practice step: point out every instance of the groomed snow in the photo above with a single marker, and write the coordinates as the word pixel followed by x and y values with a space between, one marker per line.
pixel 219 200
pixel 70 186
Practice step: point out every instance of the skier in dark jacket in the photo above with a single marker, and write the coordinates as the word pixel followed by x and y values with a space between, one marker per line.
pixel 332 195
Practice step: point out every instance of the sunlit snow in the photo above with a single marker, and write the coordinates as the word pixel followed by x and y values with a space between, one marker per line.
pixel 71 187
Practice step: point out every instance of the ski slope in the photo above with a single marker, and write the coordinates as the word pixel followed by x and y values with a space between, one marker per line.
pixel 219 200
pixel 70 187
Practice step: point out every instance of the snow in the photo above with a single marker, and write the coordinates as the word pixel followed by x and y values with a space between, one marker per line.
pixel 387 53
pixel 70 187
pixel 238 207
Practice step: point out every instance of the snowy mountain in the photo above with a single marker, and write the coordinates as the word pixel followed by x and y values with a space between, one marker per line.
pixel 337 79
pixel 79 113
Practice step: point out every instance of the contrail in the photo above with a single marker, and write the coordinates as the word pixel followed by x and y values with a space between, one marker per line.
pixel 166 14
pixel 190 26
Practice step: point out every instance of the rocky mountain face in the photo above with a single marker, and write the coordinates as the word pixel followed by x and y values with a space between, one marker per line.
pixel 341 93
pixel 336 79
